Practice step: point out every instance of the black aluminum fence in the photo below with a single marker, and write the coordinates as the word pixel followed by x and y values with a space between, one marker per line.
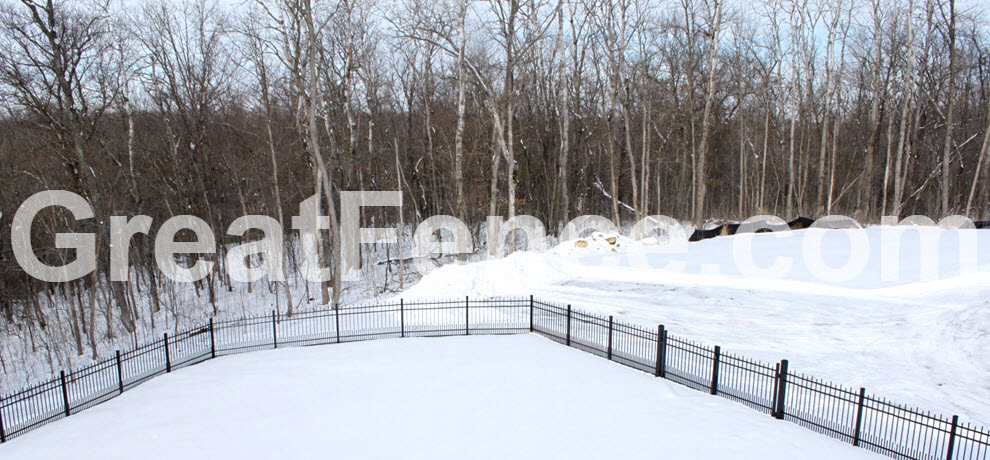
pixel 844 413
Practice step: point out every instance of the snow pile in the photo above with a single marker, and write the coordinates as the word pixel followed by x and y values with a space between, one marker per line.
pixel 514 275
pixel 481 397
pixel 598 242
pixel 858 328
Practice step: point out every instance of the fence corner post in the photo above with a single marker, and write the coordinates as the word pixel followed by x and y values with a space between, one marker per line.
pixel 402 318
pixel 781 390
pixel 859 416
pixel 65 394
pixel 716 358
pixel 661 366
pixel 952 438
pixel 531 313
pixel 213 342
pixel 467 317
pixel 568 337
pixel 609 337
pixel 120 375
pixel 168 358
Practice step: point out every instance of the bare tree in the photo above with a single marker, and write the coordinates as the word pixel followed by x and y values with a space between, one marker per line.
pixel 461 108
pixel 714 26
pixel 259 49
pixel 55 68
pixel 878 91
pixel 907 95
pixel 831 76
pixel 949 106
pixel 979 164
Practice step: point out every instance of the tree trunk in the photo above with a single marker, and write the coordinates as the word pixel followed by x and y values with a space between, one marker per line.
pixel 699 207
pixel 613 177
pixel 906 104
pixel 979 165
pixel 322 173
pixel 949 112
pixel 868 198
pixel 459 136
pixel 762 201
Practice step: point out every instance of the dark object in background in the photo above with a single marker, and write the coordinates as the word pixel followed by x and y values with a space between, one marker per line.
pixel 699 234
pixel 801 223
pixel 721 230
pixel 731 229
pixel 982 224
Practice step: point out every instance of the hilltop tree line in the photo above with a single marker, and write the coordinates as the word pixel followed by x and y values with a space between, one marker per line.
pixel 694 109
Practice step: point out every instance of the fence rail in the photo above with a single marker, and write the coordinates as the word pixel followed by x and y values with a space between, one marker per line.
pixel 844 413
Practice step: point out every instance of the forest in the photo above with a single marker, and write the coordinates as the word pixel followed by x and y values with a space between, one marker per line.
pixel 694 109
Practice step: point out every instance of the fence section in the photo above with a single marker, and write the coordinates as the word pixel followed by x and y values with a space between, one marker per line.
pixel 844 413
pixel 836 411
pixel 90 385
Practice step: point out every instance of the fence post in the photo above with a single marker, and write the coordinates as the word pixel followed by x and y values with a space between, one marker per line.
pixel 3 432
pixel 274 331
pixel 120 374
pixel 715 361
pixel 530 313
pixel 773 394
pixel 467 317
pixel 781 389
pixel 952 437
pixel 610 337
pixel 859 416
pixel 65 395
pixel 168 358
pixel 661 366
pixel 402 317
pixel 568 325
pixel 213 342
pixel 336 319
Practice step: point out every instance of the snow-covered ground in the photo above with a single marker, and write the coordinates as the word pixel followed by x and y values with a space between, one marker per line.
pixel 919 335
pixel 448 398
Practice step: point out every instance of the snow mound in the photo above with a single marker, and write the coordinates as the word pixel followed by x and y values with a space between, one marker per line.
pixel 514 275
pixel 884 317
pixel 597 242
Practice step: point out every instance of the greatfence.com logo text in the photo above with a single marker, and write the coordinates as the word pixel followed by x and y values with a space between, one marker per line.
pixel 817 259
